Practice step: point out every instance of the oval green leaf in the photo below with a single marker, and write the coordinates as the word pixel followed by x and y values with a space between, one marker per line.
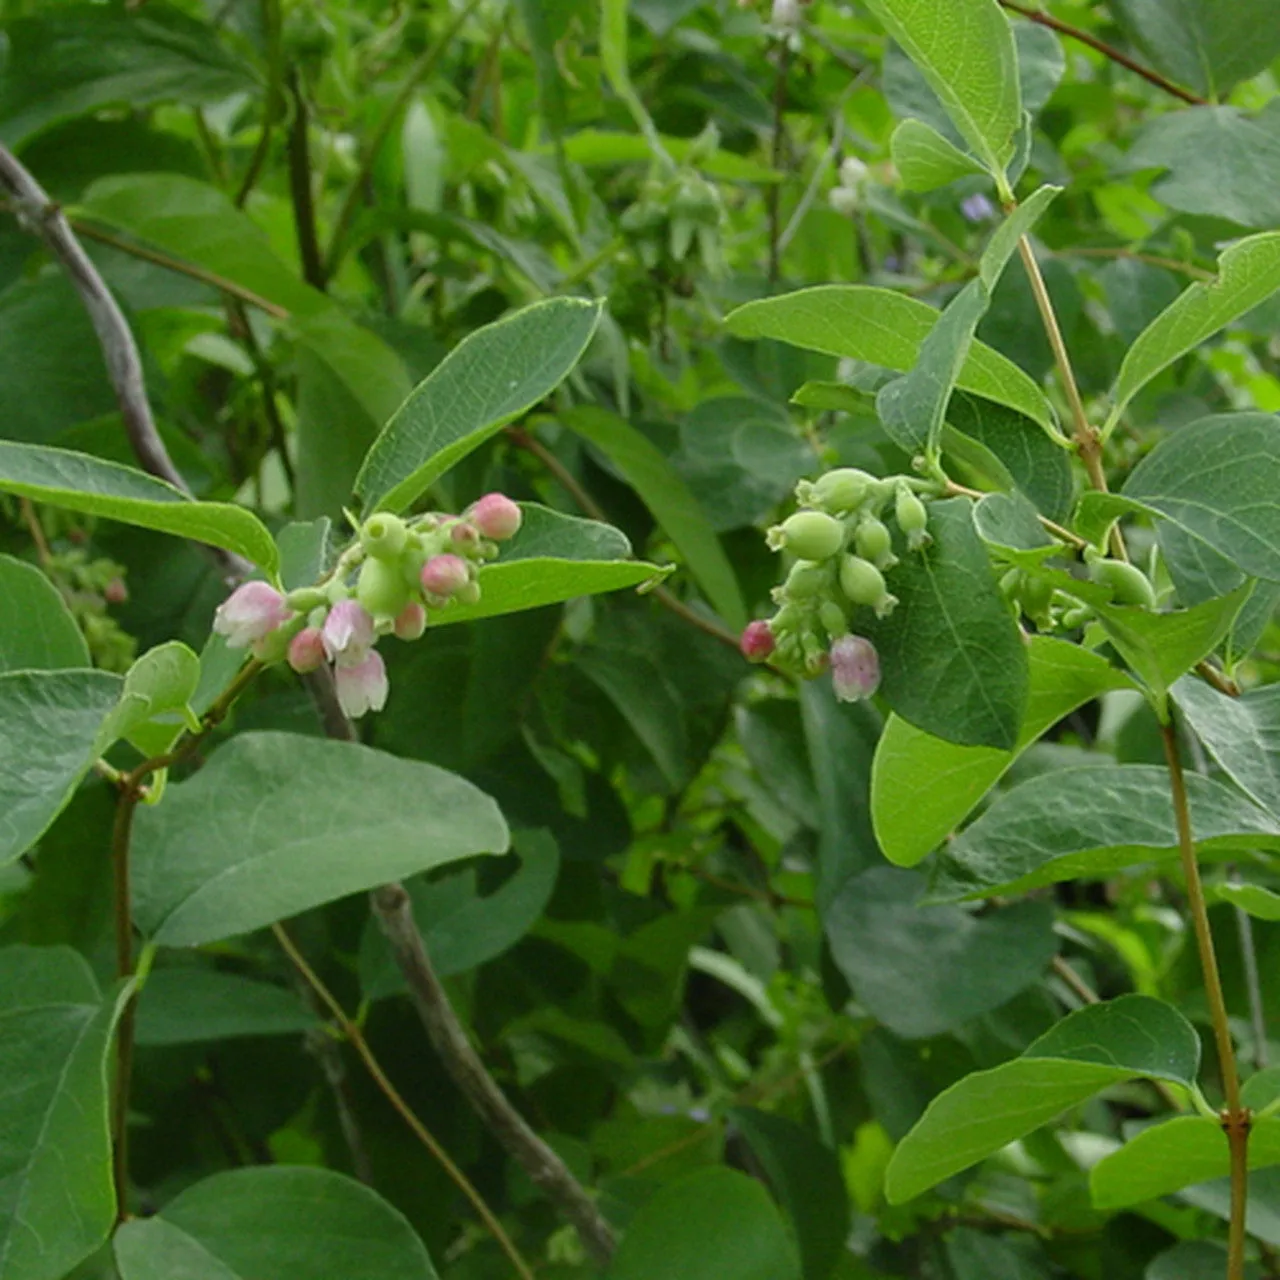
pixel 38 632
pixel 491 377
pixel 274 1222
pixel 884 328
pixel 328 819
pixel 81 482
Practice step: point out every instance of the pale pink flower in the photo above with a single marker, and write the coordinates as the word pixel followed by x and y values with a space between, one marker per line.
pixel 347 633
pixel 757 641
pixel 445 575
pixel 496 516
pixel 362 686
pixel 855 668
pixel 251 611
pixel 465 536
pixel 411 621
pixel 306 650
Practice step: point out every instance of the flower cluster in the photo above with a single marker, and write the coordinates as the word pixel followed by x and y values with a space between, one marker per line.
pixel 841 548
pixel 385 583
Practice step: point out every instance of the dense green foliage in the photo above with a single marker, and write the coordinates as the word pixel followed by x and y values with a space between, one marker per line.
pixel 934 346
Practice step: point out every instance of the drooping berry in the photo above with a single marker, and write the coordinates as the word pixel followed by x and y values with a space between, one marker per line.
pixel 383 536
pixel 873 542
pixel 805 580
pixel 809 535
pixel 913 518
pixel 381 588
pixel 757 642
pixel 843 490
pixel 864 584
pixel 1126 582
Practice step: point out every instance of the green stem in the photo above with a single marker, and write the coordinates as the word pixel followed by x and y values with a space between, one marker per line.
pixel 304 211
pixel 1236 1119
pixel 273 108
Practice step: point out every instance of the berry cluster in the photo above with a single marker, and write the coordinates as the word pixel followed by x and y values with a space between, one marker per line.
pixel 841 548
pixel 384 583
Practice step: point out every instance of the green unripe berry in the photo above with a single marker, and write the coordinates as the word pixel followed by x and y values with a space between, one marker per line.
pixel 812 535
pixel 384 536
pixel 1126 582
pixel 863 583
pixel 805 580
pixel 304 599
pixel 1037 596
pixel 913 518
pixel 834 623
pixel 841 490
pixel 873 542
pixel 1011 584
pixel 381 588
pixel 1076 617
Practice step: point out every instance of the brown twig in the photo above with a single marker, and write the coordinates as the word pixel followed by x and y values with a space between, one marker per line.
pixel 1075 981
pixel 177 265
pixel 544 1167
pixel 41 216
pixel 1108 51
pixel 301 199
pixel 774 195
pixel 424 1135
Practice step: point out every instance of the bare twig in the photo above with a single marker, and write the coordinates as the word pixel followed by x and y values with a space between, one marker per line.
pixel 424 1135
pixel 391 905
pixel 304 211
pixel 41 216
pixel 1107 51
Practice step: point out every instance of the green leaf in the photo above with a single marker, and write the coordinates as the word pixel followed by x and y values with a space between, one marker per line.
pixel 191 1006
pixel 1099 1045
pixel 1242 734
pixel 1219 163
pixel 1092 821
pixel 492 376
pixel 1161 647
pixel 461 927
pixel 80 482
pixel 1178 1153
pixel 923 971
pixel 922 788
pixel 155 702
pixel 77 58
pixel 1207 45
pixel 966 53
pixel 1009 451
pixel 885 328
pixel 49 386
pixel 1008 522
pixel 841 738
pixel 1248 273
pixel 328 819
pixel 552 559
pixel 716 1224
pixel 674 507
pixel 806 1176
pixel 272 1222
pixel 57 1200
pixel 198 223
pixel 51 725
pixel 913 407
pixel 1253 899
pixel 304 552
pixel 1196 1260
pixel 35 976
pixel 925 160
pixel 952 658
pixel 38 632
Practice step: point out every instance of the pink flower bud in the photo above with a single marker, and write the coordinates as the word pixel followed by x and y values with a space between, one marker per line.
pixel 250 612
pixel 757 641
pixel 362 686
pixel 855 668
pixel 347 633
pixel 306 650
pixel 411 621
pixel 445 575
pixel 464 536
pixel 496 516
pixel 115 592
